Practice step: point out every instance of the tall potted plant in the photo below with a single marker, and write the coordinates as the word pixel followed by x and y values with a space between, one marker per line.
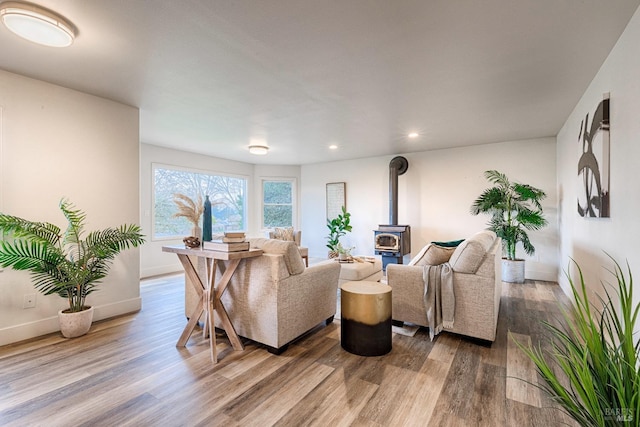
pixel 65 263
pixel 515 209
pixel 338 227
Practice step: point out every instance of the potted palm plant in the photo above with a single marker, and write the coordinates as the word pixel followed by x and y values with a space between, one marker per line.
pixel 515 209
pixel 65 263
pixel 338 227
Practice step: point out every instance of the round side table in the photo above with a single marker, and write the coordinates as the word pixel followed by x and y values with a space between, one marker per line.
pixel 365 324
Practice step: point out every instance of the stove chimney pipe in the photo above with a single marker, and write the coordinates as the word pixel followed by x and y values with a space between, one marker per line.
pixel 397 166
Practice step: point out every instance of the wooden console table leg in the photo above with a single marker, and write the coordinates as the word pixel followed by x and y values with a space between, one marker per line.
pixel 210 271
pixel 191 273
pixel 193 321
pixel 219 307
pixel 210 293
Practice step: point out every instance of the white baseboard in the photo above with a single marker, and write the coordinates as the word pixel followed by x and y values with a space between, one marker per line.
pixel 49 325
pixel 547 275
pixel 158 271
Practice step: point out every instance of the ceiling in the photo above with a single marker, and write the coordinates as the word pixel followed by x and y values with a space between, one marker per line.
pixel 210 76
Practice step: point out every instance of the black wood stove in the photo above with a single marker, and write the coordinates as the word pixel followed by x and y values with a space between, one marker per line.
pixel 393 241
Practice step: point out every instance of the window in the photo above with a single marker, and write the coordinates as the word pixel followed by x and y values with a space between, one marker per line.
pixel 278 203
pixel 227 195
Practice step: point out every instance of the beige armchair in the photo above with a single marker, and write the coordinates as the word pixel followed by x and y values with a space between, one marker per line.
pixel 296 236
pixel 274 298
pixel 477 286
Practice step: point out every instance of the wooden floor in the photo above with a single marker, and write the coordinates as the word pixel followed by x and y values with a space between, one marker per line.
pixel 128 372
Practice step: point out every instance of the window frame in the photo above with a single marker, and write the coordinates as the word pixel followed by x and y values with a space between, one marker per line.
pixel 155 166
pixel 294 200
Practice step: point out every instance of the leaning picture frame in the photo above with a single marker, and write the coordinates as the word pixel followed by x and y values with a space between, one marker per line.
pixel 336 198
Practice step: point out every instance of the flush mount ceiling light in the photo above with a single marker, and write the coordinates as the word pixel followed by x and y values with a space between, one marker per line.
pixel 37 24
pixel 413 135
pixel 259 148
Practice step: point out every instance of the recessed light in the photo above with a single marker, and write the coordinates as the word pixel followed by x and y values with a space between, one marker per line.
pixel 37 24
pixel 333 147
pixel 413 135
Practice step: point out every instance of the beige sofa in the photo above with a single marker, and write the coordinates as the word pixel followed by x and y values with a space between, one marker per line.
pixel 274 298
pixel 476 265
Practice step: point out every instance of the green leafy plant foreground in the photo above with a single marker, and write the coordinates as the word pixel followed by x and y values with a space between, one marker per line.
pixel 64 263
pixel 592 368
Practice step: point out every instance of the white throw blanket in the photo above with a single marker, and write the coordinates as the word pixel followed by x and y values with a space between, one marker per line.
pixel 439 300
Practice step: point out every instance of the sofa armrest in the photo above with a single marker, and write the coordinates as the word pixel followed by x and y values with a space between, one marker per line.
pixel 306 299
pixel 407 293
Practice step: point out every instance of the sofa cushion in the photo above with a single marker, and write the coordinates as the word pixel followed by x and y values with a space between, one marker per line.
pixel 432 255
pixel 283 233
pixel 289 250
pixel 468 256
pixel 358 270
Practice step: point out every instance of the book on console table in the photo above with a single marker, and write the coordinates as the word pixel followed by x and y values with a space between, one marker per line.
pixel 234 234
pixel 219 245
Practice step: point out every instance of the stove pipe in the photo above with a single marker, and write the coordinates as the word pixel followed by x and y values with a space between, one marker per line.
pixel 397 166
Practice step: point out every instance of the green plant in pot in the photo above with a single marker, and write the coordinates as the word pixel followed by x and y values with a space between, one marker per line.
pixel 344 253
pixel 338 227
pixel 590 364
pixel 515 209
pixel 65 263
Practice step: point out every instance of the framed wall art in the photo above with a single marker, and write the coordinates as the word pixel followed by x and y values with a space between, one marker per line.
pixel 593 164
pixel 336 198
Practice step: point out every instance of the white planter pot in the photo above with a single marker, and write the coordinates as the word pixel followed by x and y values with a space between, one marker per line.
pixel 513 270
pixel 74 325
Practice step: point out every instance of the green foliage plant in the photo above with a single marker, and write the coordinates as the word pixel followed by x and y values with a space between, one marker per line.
pixel 596 354
pixel 514 209
pixel 338 227
pixel 64 263
pixel 344 250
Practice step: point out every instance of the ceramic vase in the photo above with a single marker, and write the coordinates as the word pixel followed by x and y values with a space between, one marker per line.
pixel 513 270
pixel 75 324
pixel 206 221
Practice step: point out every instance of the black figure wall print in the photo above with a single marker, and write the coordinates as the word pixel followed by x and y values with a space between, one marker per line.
pixel 593 166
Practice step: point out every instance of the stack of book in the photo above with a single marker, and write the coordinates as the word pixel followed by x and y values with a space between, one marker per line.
pixel 230 242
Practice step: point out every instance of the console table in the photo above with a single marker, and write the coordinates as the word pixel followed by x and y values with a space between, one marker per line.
pixel 210 292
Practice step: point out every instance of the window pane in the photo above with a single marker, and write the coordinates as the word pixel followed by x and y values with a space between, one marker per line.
pixel 277 192
pixel 227 195
pixel 277 216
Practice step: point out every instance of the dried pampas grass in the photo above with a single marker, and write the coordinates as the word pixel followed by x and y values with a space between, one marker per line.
pixel 188 208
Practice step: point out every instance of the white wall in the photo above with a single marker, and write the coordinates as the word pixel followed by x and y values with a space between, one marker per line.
pixel 587 240
pixel 434 196
pixel 59 143
pixel 153 260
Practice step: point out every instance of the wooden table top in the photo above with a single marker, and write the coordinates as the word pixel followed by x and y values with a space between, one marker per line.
pixel 206 253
